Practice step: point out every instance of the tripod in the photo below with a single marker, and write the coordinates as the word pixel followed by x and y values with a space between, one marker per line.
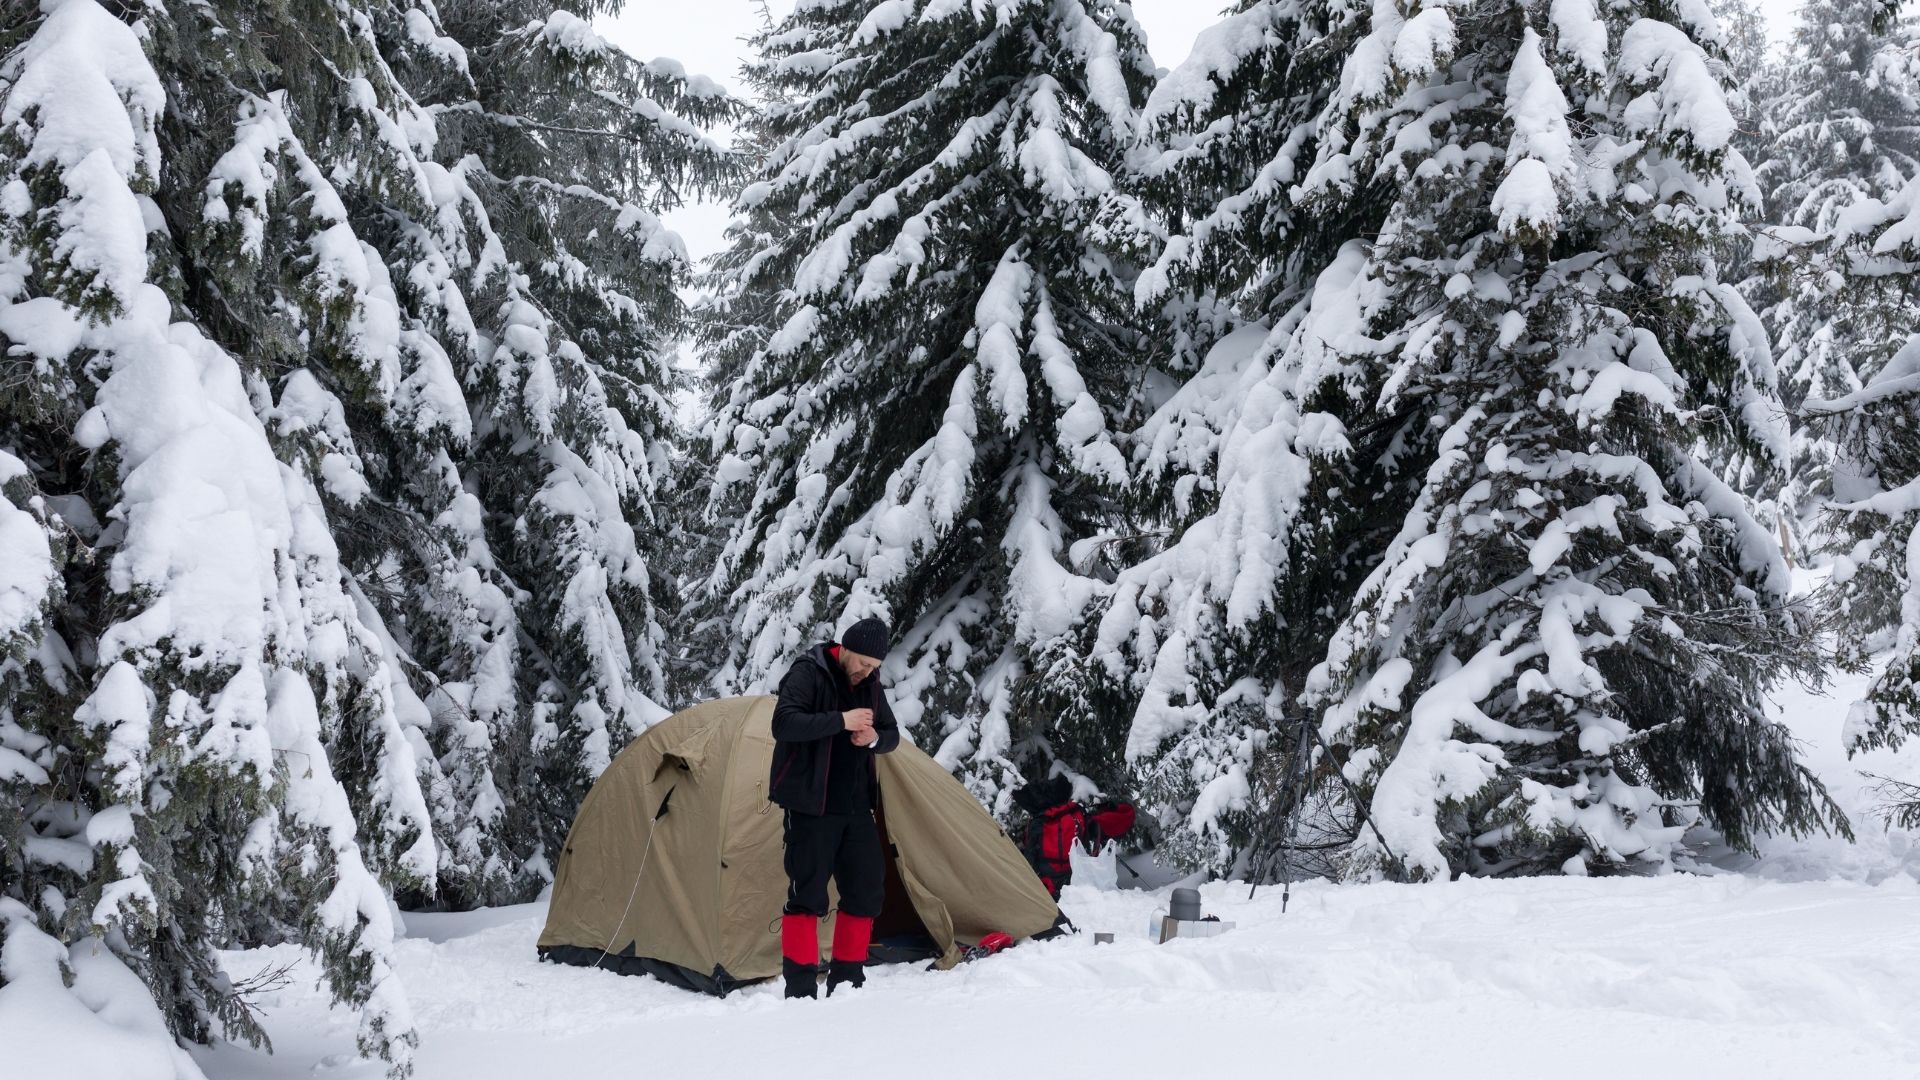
pixel 1292 795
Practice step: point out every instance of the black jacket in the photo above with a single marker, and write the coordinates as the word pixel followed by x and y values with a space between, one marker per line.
pixel 806 726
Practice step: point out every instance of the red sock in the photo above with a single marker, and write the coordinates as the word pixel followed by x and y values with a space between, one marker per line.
pixel 800 939
pixel 851 933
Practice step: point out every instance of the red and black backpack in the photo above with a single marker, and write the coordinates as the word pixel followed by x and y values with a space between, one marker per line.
pixel 1052 831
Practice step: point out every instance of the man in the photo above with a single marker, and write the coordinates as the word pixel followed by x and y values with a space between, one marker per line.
pixel 831 718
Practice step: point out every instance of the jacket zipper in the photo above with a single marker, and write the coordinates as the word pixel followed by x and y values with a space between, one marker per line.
pixel 826 774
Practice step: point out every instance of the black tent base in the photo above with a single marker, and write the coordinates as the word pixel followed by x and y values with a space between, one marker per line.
pixel 897 949
pixel 719 983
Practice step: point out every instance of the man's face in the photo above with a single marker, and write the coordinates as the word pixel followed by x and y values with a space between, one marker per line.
pixel 857 665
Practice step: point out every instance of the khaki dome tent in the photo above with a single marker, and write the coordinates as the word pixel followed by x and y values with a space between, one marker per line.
pixel 689 799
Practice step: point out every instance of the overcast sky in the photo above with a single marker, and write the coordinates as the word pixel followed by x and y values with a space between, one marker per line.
pixel 705 35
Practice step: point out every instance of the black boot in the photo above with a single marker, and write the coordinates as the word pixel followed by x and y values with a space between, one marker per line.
pixel 845 972
pixel 803 980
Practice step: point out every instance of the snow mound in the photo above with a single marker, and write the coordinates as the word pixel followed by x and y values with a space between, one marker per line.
pixel 103 1026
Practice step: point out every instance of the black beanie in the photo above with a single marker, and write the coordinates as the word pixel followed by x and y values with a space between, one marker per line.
pixel 867 637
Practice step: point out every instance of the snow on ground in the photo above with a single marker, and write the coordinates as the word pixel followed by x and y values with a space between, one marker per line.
pixel 1877 853
pixel 1677 976
pixel 1802 965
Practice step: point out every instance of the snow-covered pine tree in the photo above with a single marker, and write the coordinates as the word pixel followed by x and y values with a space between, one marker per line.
pixel 1559 662
pixel 1874 517
pixel 928 426
pixel 330 355
pixel 482 297
pixel 1755 79
pixel 1845 128
pixel 1211 637
pixel 564 338
pixel 254 190
pixel 171 622
pixel 739 310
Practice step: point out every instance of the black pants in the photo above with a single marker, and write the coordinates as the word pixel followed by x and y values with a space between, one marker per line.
pixel 845 847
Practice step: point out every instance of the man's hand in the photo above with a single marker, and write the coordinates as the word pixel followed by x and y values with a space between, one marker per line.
pixel 857 721
pixel 865 737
